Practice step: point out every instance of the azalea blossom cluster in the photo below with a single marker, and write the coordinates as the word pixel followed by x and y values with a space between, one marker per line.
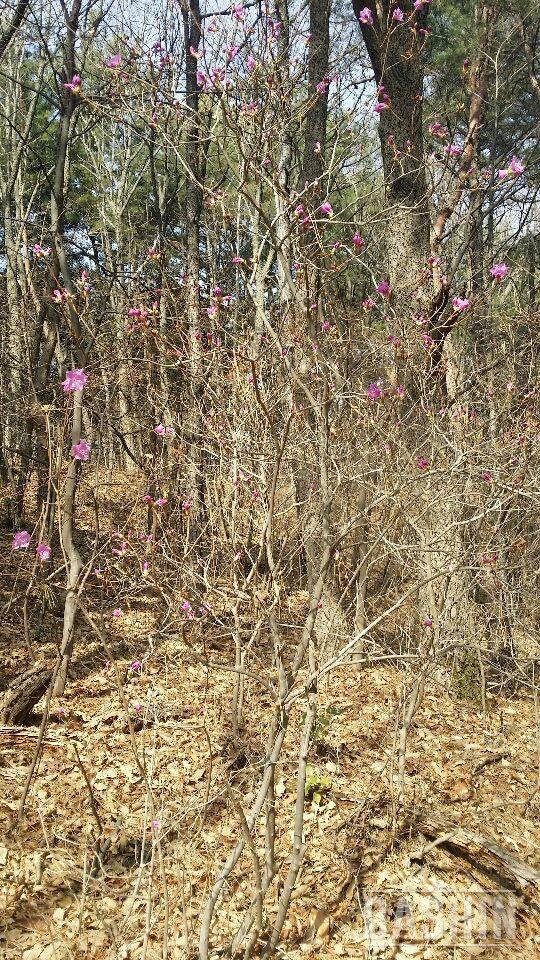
pixel 438 130
pixel 60 295
pixel 81 450
pixel 513 170
pixel 375 391
pixel 499 271
pixel 384 102
pixel 21 541
pixel 74 85
pixel 166 432
pixel 75 380
pixel 158 502
pixel 190 613
pixel 218 299
pixel 40 252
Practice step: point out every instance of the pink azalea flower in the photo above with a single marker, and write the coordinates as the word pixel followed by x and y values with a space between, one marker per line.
pixel 40 251
pixel 161 431
pixel 384 289
pixel 161 502
pixel 487 476
pixel 366 16
pixel 427 341
pixel 218 75
pixel 515 168
pixel 251 63
pixel 83 281
pixel 436 129
pixel 358 241
pixel 43 551
pixel 397 14
pixel 21 540
pixel 188 610
pixel 187 505
pixel 75 380
pixel 81 450
pixel 384 102
pixel 237 261
pixel 117 612
pixel 74 84
pixel 460 303
pixel 427 622
pixel 400 390
pixel 136 666
pixel 326 208
pixel 368 303
pixel 422 463
pixel 374 391
pixel 239 12
pixel 499 271
pixel 114 61
pixel 59 295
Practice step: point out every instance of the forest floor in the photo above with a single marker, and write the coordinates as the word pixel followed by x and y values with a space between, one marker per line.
pixel 159 857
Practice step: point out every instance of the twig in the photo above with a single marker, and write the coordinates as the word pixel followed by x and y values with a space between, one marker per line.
pixel 90 791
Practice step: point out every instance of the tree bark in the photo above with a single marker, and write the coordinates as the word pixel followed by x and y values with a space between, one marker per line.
pixel 395 55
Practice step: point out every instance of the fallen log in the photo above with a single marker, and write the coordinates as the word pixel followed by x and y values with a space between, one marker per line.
pixel 24 693
pixel 466 843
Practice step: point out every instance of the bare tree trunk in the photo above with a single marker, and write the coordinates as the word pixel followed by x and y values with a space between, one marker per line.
pixel 58 199
pixel 395 55
pixel 67 530
pixel 20 109
pixel 191 14
pixel 10 30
